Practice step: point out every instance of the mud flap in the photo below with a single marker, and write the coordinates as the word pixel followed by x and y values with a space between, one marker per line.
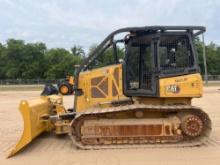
pixel 32 112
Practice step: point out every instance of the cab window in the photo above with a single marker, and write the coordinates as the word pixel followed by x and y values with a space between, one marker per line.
pixel 175 54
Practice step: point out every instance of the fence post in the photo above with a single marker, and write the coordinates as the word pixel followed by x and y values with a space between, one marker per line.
pixel 204 59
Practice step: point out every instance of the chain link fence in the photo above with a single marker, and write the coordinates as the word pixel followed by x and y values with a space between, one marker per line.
pixel 212 77
pixel 27 81
pixel 25 84
pixel 54 81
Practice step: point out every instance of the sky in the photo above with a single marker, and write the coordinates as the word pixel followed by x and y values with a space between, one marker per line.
pixel 64 23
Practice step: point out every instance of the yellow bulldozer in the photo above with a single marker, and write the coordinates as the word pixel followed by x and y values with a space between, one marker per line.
pixel 141 100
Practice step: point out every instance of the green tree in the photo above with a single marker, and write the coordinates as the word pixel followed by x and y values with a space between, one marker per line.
pixel 2 62
pixel 22 60
pixel 19 60
pixel 106 57
pixel 60 63
pixel 34 61
pixel 78 51
pixel 14 55
pixel 212 57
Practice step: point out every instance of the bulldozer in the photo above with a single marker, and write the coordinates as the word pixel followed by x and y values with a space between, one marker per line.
pixel 142 100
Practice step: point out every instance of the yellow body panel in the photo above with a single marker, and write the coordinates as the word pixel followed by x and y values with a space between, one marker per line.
pixel 100 86
pixel 181 86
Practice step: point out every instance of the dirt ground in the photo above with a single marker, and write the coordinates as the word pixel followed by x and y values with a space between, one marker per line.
pixel 52 150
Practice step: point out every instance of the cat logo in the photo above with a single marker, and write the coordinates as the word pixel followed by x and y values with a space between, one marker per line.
pixel 173 88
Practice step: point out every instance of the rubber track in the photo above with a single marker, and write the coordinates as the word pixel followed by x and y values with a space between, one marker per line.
pixel 157 108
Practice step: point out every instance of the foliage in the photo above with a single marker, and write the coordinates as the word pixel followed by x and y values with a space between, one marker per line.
pixel 20 60
pixel 33 60
pixel 212 57
pixel 78 51
pixel 60 62
pixel 106 56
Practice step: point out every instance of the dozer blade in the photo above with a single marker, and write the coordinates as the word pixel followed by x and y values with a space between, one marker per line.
pixel 32 113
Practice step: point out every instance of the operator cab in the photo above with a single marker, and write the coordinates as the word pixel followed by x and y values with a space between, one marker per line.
pixel 153 55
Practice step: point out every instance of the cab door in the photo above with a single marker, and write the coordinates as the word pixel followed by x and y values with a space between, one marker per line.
pixel 140 73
